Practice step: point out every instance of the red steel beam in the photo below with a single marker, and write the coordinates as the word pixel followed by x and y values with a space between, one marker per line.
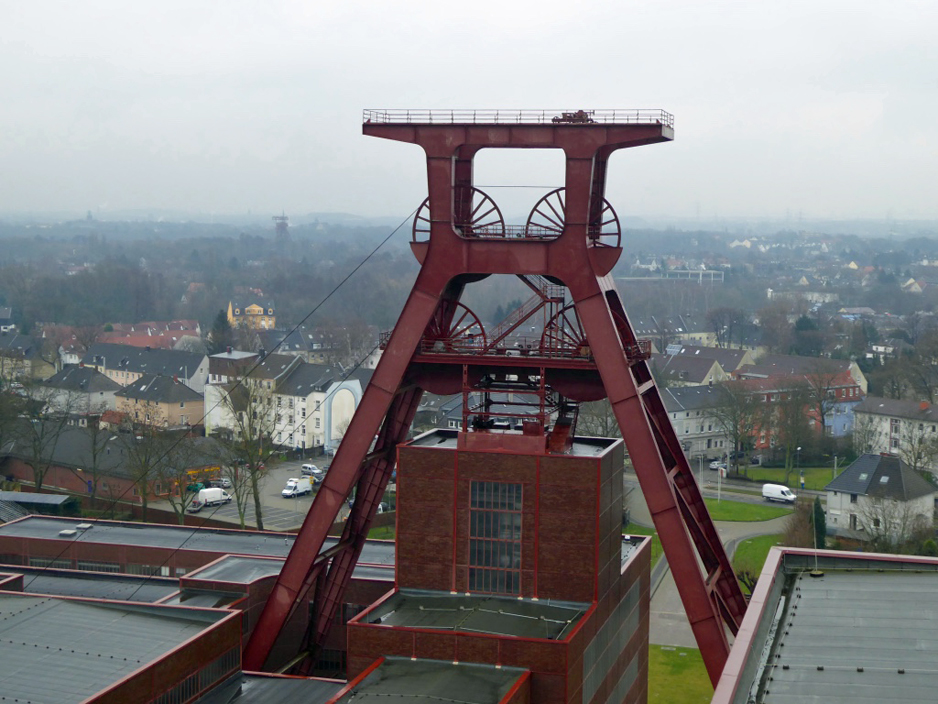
pixel 712 597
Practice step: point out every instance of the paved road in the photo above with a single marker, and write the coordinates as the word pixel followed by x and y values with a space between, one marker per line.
pixel 669 624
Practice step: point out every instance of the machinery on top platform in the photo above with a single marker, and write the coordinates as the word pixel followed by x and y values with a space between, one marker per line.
pixel 587 351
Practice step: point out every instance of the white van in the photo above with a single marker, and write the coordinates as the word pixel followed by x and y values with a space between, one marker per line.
pixel 777 492
pixel 296 486
pixel 212 496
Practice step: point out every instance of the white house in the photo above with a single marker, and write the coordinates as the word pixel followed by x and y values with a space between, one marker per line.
pixel 308 406
pixel 879 497
pixel 907 429
pixel 690 410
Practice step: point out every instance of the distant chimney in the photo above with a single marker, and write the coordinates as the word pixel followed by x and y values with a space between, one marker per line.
pixel 229 349
pixel 175 379
pixel 923 406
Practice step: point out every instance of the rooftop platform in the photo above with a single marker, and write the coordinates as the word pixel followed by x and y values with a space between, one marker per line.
pixel 447 439
pixel 220 541
pixel 404 680
pixel 565 116
pixel 273 689
pixel 485 614
pixel 864 631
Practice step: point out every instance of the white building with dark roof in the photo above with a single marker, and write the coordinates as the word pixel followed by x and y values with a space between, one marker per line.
pixel 690 409
pixel 879 497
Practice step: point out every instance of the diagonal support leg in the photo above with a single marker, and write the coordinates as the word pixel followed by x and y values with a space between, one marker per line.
pixel 687 534
pixel 352 462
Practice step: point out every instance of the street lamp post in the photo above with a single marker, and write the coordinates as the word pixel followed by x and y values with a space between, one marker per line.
pixel 798 465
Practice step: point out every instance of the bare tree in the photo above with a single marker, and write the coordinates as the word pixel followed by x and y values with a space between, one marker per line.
pixel 98 436
pixel 918 446
pixel 891 525
pixel 145 446
pixel 43 423
pixel 182 461
pixel 822 376
pixel 738 416
pixel 725 323
pixel 597 419
pixel 790 421
pixel 251 419
pixel 868 434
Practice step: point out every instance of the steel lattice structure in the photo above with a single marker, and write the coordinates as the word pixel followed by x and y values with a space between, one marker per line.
pixel 587 351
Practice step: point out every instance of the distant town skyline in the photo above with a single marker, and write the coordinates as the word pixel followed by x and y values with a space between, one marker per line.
pixel 787 112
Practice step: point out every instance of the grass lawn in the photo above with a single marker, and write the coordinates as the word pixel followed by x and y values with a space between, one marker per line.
pixel 387 532
pixel 677 676
pixel 814 477
pixel 656 551
pixel 751 553
pixel 738 511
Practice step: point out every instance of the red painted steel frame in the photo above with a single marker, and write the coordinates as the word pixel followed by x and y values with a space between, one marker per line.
pixel 707 585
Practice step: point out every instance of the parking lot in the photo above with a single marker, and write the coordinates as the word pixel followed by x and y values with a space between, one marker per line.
pixel 280 514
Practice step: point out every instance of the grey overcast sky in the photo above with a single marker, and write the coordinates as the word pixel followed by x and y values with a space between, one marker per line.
pixel 823 108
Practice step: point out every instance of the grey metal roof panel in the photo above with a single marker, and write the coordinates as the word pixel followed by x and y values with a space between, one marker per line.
pixel 862 635
pixel 28 497
pixel 94 585
pixel 80 647
pixel 216 540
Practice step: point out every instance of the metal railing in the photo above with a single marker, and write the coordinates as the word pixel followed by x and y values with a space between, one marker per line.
pixel 641 116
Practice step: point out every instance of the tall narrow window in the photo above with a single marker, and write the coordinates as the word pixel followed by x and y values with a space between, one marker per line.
pixel 495 538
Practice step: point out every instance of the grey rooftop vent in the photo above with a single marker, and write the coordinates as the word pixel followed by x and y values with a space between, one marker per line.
pixel 68 533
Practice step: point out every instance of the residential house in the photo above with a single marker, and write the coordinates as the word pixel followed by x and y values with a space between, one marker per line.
pixel 230 365
pixel 82 390
pixel 161 401
pixel 309 406
pixel 21 358
pixel 879 496
pixel 687 370
pixel 729 358
pixel 907 429
pixel 770 365
pixel 690 410
pixel 125 364
pixel 251 316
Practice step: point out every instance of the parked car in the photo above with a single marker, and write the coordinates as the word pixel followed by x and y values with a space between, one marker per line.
pixel 715 465
pixel 195 487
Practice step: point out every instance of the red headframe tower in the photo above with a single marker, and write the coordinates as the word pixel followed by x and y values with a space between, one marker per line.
pixel 587 351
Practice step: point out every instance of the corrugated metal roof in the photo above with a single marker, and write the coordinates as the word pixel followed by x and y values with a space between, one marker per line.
pixel 94 585
pixel 62 650
pixel 853 636
pixel 214 540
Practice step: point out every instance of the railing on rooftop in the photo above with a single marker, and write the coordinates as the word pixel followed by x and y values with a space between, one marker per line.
pixel 521 117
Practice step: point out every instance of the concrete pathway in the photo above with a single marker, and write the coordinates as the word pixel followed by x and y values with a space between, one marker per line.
pixel 669 624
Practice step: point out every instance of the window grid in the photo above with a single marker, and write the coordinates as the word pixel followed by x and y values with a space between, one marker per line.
pixel 495 538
